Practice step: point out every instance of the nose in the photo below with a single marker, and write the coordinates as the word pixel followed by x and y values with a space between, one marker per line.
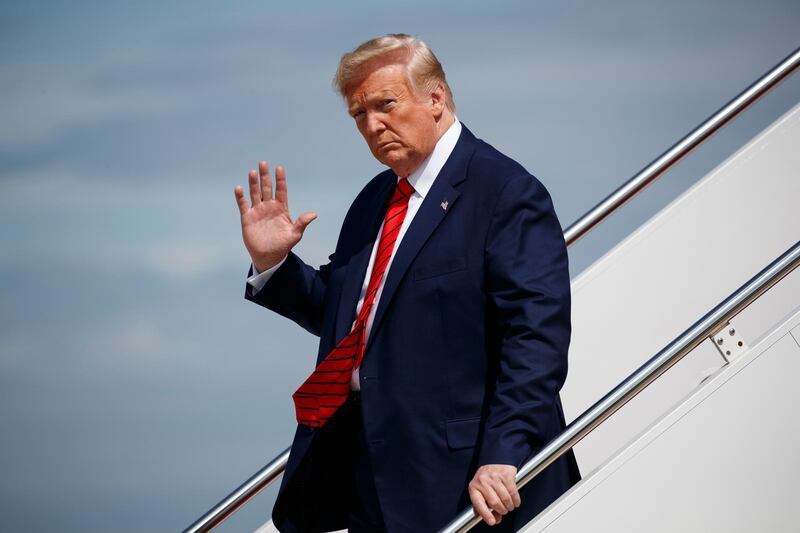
pixel 375 124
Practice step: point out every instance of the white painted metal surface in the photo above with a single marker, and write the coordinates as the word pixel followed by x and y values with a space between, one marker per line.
pixel 659 280
pixel 725 459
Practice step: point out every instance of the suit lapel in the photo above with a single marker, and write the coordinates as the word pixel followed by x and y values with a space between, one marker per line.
pixel 437 203
pixel 357 266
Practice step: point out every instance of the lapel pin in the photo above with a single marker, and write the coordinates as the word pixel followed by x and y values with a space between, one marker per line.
pixel 444 205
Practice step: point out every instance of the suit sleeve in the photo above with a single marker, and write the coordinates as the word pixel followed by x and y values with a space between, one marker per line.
pixel 528 292
pixel 296 291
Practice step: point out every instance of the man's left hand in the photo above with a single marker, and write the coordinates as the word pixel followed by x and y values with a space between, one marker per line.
pixel 493 492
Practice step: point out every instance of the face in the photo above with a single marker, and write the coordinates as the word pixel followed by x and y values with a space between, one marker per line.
pixel 400 126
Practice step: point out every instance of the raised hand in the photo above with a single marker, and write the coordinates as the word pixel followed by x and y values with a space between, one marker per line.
pixel 267 229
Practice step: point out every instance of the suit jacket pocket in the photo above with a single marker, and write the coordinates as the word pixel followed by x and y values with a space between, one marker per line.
pixel 452 264
pixel 462 433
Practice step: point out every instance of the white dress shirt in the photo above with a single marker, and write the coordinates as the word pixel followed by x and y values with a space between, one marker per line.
pixel 422 180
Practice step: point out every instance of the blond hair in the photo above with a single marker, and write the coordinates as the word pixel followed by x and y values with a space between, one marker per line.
pixel 422 67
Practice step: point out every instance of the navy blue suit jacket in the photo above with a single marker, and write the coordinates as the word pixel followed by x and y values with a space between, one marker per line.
pixel 466 356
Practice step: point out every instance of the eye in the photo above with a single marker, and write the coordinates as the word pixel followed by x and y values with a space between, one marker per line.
pixel 387 102
pixel 357 114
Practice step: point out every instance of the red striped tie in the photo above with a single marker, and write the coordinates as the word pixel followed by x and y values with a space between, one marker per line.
pixel 327 388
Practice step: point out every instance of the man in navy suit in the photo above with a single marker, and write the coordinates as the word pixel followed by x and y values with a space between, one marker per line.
pixel 465 344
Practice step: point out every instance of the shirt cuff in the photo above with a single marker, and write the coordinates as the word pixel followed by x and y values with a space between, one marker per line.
pixel 259 279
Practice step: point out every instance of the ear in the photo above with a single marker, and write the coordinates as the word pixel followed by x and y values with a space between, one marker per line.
pixel 438 100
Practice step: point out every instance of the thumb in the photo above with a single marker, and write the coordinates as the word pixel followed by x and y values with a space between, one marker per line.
pixel 304 220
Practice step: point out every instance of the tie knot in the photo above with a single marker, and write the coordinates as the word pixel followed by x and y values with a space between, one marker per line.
pixel 405 187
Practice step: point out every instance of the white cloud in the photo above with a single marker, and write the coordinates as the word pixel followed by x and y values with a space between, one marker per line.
pixel 38 104
pixel 182 261
pixel 63 219
pixel 153 77
pixel 141 342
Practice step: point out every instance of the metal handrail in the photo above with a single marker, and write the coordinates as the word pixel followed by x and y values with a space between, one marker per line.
pixel 241 495
pixel 645 375
pixel 578 229
pixel 679 150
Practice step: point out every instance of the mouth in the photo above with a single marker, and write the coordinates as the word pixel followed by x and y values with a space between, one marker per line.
pixel 387 145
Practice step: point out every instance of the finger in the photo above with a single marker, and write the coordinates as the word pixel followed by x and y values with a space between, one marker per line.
pixel 241 201
pixel 509 482
pixel 255 192
pixel 480 507
pixel 497 517
pixel 304 220
pixel 514 492
pixel 505 495
pixel 266 181
pixel 281 194
pixel 493 500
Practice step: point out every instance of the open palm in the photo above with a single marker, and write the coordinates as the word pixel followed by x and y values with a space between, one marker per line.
pixel 267 228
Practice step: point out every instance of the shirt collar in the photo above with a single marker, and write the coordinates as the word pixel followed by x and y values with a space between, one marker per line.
pixel 422 178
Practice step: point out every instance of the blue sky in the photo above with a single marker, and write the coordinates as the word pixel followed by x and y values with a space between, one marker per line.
pixel 137 387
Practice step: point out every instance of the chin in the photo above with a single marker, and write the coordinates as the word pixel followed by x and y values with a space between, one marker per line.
pixel 394 161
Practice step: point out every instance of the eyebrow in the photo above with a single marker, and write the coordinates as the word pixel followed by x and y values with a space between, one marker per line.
pixel 383 94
